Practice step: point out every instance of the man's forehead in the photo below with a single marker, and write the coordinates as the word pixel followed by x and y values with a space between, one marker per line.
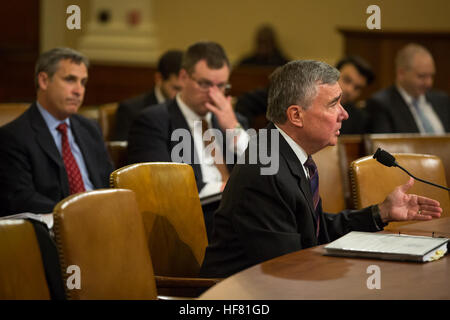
pixel 68 64
pixel 353 76
pixel 172 78
pixel 422 59
pixel 328 92
pixel 349 69
pixel 201 68
pixel 329 88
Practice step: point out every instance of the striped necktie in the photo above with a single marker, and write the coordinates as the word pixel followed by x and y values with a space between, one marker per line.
pixel 314 184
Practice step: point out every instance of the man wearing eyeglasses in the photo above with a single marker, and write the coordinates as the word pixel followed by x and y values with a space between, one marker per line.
pixel 201 104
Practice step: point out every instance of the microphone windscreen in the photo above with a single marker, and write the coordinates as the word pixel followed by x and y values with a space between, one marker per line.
pixel 385 158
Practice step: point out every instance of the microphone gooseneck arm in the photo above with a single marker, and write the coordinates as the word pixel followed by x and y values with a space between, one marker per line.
pixel 388 160
pixel 421 180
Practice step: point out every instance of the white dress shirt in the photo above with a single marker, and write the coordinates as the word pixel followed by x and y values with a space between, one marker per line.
pixel 299 152
pixel 52 123
pixel 159 96
pixel 210 174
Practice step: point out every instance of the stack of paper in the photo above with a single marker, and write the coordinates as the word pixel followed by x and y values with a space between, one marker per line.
pixel 46 218
pixel 388 246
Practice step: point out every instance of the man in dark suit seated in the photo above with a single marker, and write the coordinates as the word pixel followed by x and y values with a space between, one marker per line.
pixel 158 132
pixel 253 106
pixel 267 213
pixel 356 74
pixel 166 87
pixel 50 152
pixel 410 105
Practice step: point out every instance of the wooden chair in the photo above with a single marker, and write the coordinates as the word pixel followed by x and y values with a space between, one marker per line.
pixel 22 274
pixel 168 198
pixel 372 181
pixel 412 143
pixel 331 179
pixel 102 233
pixel 10 111
pixel 351 147
pixel 90 112
pixel 118 152
pixel 107 119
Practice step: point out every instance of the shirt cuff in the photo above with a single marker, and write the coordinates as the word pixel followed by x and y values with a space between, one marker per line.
pixel 210 188
pixel 241 143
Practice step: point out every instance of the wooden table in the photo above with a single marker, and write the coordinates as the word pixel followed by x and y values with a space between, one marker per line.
pixel 440 228
pixel 308 274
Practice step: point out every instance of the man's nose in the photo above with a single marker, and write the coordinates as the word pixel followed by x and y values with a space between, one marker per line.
pixel 429 82
pixel 344 113
pixel 78 89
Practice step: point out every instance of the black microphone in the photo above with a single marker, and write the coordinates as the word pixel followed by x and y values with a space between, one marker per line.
pixel 388 160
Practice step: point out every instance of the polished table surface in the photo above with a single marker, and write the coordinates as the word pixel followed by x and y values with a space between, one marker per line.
pixel 308 274
pixel 440 228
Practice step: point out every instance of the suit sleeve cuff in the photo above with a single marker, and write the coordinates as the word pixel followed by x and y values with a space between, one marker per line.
pixel 377 218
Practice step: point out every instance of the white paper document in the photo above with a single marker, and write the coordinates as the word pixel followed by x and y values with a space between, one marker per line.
pixel 388 246
pixel 46 218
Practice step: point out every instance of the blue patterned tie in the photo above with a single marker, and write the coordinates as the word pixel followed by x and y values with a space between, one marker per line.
pixel 314 184
pixel 423 118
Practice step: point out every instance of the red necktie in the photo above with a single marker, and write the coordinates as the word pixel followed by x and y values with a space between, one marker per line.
pixel 76 184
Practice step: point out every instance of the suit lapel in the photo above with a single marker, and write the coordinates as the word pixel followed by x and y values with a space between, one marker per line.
pixel 404 119
pixel 442 110
pixel 44 136
pixel 81 136
pixel 296 169
pixel 150 98
pixel 47 143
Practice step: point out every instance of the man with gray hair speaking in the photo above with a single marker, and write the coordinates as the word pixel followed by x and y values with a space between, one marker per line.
pixel 264 216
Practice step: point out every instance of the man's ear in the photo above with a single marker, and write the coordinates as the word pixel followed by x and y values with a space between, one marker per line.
pixel 158 78
pixel 401 73
pixel 295 115
pixel 183 75
pixel 43 80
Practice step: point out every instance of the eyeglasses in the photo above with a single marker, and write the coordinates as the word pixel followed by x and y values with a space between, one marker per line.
pixel 206 84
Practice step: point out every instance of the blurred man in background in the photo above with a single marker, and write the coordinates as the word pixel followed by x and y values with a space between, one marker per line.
pixel 166 87
pixel 411 105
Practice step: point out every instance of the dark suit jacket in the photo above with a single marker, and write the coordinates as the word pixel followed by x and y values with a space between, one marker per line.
pixel 253 106
pixel 151 132
pixel 32 173
pixel 128 110
pixel 264 216
pixel 389 113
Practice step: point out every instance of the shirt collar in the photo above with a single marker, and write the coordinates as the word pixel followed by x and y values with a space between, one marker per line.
pixel 50 120
pixel 159 96
pixel 299 152
pixel 189 114
pixel 408 98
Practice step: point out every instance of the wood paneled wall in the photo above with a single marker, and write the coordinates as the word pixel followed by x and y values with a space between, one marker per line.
pixel 19 49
